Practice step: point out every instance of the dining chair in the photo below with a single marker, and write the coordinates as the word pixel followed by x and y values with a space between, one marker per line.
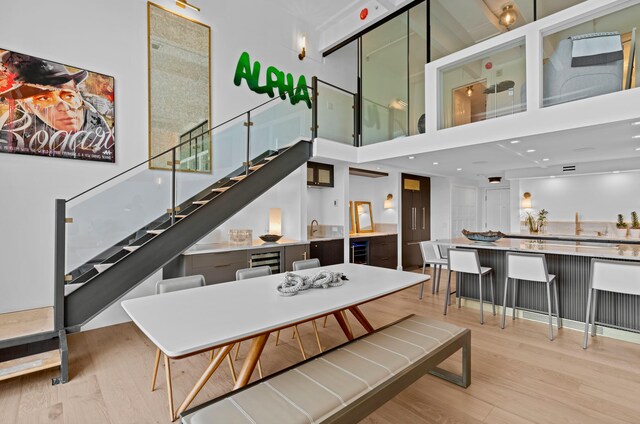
pixel 431 256
pixel 529 267
pixel 168 286
pixel 610 276
pixel 306 264
pixel 245 274
pixel 309 264
pixel 467 261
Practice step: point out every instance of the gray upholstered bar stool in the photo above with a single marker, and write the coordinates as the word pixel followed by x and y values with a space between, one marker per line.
pixel 431 256
pixel 467 261
pixel 610 276
pixel 530 267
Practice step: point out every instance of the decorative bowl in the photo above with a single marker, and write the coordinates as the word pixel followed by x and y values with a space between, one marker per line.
pixel 487 236
pixel 270 238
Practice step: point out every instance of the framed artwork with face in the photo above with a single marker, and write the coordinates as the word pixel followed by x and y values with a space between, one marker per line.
pixel 56 110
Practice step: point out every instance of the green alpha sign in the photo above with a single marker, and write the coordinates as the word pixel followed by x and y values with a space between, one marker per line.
pixel 275 79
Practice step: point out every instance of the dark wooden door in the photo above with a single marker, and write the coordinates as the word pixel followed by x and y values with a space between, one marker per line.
pixel 416 217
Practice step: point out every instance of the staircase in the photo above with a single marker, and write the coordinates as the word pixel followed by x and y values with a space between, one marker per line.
pixel 284 139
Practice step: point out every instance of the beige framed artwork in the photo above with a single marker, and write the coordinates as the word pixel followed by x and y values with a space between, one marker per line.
pixel 179 66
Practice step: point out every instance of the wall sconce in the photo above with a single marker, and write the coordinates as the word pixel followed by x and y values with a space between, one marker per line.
pixel 388 204
pixel 303 46
pixel 184 3
pixel 508 17
pixel 275 221
pixel 525 202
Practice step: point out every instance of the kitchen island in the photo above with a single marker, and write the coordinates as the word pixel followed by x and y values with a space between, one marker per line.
pixel 570 262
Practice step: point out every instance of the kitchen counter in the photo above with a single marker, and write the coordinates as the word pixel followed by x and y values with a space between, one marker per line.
pixel 376 234
pixel 599 249
pixel 582 237
pixel 227 247
pixel 326 238
pixel 570 262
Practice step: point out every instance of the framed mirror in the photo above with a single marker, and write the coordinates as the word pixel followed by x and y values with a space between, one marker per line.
pixel 179 90
pixel 364 217
pixel 352 224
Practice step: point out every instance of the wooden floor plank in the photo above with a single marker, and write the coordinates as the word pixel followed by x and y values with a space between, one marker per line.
pixel 518 375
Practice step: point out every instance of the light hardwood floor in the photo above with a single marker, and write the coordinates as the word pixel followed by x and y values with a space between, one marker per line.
pixel 518 375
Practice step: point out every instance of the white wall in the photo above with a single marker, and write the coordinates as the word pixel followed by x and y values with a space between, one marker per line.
pixel 326 204
pixel 111 37
pixel 596 197
pixel 375 190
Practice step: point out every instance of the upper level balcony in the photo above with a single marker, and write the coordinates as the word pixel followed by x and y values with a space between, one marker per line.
pixel 570 70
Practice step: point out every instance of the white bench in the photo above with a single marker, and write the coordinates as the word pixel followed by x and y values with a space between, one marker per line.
pixel 347 383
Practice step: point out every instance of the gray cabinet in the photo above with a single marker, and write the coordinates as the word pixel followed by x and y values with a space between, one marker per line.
pixel 216 267
pixel 298 252
pixel 221 267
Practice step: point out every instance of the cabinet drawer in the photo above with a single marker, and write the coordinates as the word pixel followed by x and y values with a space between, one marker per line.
pixel 218 260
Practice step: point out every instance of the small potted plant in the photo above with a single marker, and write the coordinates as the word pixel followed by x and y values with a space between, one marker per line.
pixel 542 219
pixel 634 232
pixel 621 227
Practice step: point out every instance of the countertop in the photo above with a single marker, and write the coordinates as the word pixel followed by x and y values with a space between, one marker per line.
pixel 376 234
pixel 558 247
pixel 582 237
pixel 199 249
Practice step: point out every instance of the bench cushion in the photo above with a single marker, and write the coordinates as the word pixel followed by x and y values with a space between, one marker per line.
pixel 318 388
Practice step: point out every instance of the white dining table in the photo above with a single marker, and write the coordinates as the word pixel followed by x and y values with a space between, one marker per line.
pixel 188 322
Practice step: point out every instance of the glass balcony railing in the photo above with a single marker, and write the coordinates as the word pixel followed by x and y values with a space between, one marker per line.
pixel 336 113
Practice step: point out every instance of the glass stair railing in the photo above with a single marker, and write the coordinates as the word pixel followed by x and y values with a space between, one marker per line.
pixel 116 234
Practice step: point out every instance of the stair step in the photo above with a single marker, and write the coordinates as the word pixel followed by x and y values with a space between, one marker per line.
pixel 155 232
pixel 102 267
pixel 29 364
pixel 181 216
pixel 70 288
pixel 238 178
pixel 256 167
pixel 27 322
pixel 270 158
pixel 201 202
pixel 131 248
pixel 220 189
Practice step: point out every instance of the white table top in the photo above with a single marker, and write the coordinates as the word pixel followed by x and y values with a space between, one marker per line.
pixel 189 321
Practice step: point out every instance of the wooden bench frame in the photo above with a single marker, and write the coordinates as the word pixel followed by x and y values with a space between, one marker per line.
pixel 372 400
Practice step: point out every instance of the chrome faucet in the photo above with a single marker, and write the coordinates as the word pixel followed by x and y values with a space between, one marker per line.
pixel 317 225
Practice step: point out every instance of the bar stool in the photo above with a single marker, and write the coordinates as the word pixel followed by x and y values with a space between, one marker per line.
pixel 431 255
pixel 611 276
pixel 467 261
pixel 530 267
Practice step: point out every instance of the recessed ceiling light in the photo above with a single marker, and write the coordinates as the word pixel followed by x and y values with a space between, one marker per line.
pixel 553 176
pixel 616 172
pixel 459 169
pixel 636 136
pixel 412 157
pixel 637 149
pixel 545 159
pixel 377 167
pixel 435 163
pixel 514 141
pixel 531 150
pixel 635 123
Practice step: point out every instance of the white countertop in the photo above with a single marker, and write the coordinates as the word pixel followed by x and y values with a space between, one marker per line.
pixel 558 247
pixel 611 238
pixel 199 249
pixel 188 321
